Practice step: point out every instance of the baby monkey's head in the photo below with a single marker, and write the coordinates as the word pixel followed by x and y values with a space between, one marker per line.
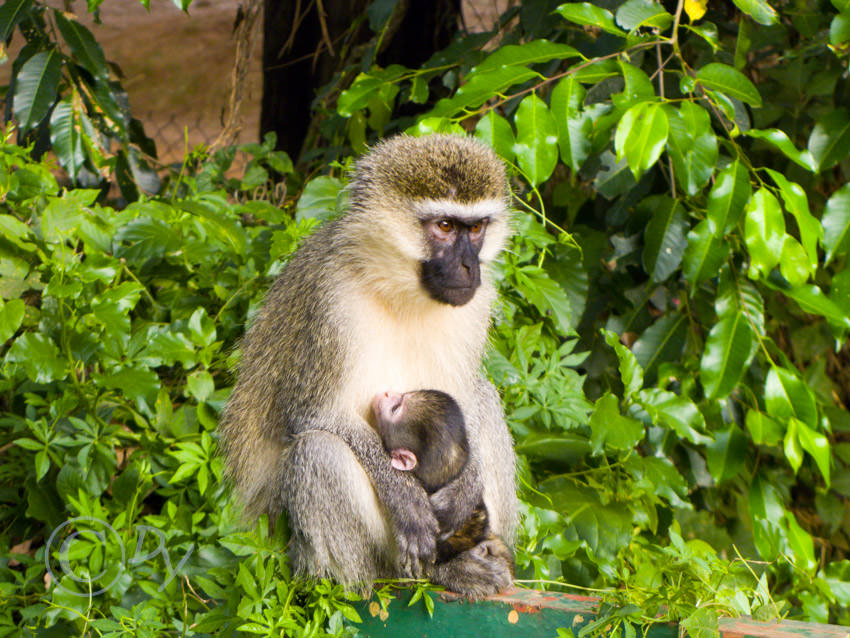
pixel 425 433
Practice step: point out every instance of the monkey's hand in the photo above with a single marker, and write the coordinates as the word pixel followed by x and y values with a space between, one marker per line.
pixel 454 503
pixel 415 528
pixel 483 570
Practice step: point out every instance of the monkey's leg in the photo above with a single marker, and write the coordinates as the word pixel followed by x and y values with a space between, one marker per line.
pixel 338 526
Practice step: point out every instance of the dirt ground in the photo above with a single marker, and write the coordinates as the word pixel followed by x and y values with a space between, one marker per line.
pixel 177 66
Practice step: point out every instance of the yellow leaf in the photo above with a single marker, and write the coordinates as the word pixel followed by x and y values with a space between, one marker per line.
pixel 695 9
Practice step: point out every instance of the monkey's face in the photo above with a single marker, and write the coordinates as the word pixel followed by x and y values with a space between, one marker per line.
pixel 453 272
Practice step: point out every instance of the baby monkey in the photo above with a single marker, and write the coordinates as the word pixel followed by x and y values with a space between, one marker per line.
pixel 425 433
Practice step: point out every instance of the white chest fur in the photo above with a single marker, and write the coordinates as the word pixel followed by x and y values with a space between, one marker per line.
pixel 434 346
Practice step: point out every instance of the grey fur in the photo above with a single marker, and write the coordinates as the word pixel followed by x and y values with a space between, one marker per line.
pixel 346 319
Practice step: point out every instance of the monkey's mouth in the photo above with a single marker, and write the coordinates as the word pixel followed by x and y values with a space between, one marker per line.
pixel 454 295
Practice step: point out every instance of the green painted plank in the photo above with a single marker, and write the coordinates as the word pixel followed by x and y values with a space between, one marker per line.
pixel 523 613
pixel 526 613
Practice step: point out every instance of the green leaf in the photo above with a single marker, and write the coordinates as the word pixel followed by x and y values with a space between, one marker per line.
pixel 379 13
pixel 565 447
pixel 836 224
pixel 829 142
pixel 29 444
pixel 728 197
pixel 611 429
pixel 763 429
pixel 791 446
pixel 630 372
pixel 200 385
pixel 705 254
pixel 614 178
pixel 692 146
pixel 587 14
pixel 786 396
pixel 764 232
pixel 811 299
pixel 83 46
pixel 766 512
pixel 202 328
pixel 42 464
pixel 704 622
pixel 730 82
pixel 139 384
pixel 16 232
pixel 39 357
pixel 675 412
pixel 801 543
pixel 430 125
pixel 660 342
pixel 574 128
pixel 739 295
pixel 758 10
pixel 595 72
pixel 481 87
pixel 546 295
pixel 728 351
pixel 36 87
pixel 367 86
pixel 780 140
pixel 796 203
pixel 794 263
pixel 638 87
pixel 524 54
pixel 817 445
pixel 536 140
pixel 839 29
pixel 839 291
pixel 727 454
pixel 11 12
pixel 634 14
pixel 496 132
pixel 65 138
pixel 664 239
pixel 641 135
pixel 319 198
pixel 11 318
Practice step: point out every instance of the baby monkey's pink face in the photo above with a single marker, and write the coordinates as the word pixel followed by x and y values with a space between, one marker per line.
pixel 389 411
pixel 388 408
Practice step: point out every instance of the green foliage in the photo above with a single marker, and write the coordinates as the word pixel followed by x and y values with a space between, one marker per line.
pixel 673 364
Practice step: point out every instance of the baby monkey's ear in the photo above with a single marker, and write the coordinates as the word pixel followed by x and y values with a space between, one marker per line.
pixel 403 459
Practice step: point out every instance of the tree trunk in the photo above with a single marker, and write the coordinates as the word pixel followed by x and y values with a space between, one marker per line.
pixel 297 60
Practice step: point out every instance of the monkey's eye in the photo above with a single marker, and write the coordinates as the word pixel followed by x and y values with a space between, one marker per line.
pixel 446 225
pixel 477 228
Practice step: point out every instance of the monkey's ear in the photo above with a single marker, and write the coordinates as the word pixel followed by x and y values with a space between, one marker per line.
pixel 402 459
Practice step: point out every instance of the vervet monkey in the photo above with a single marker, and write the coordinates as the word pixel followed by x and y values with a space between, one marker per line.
pixel 395 293
pixel 425 434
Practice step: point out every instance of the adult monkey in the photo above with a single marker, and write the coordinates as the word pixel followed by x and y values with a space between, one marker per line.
pixel 390 295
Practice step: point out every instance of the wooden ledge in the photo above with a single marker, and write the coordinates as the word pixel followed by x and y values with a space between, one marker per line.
pixel 528 613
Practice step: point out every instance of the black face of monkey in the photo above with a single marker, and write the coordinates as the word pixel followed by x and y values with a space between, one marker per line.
pixel 425 433
pixel 453 273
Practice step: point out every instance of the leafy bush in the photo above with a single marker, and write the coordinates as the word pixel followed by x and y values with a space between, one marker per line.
pixel 673 367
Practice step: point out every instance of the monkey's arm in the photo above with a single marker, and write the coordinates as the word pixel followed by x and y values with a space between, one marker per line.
pixel 409 510
pixel 454 503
